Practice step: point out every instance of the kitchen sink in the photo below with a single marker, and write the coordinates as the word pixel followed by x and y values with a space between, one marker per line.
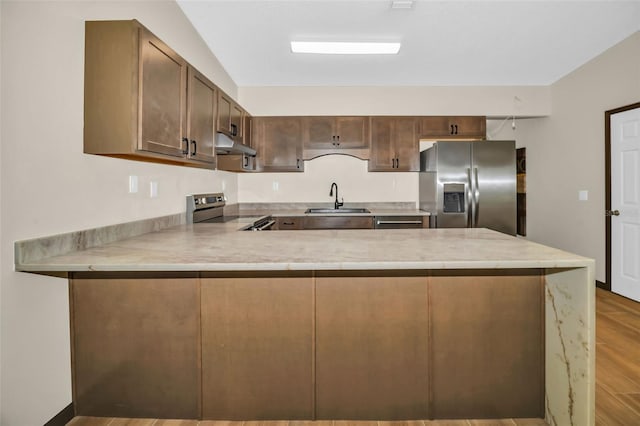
pixel 333 211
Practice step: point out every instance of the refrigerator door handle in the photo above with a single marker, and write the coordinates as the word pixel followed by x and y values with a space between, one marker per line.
pixel 470 203
pixel 476 198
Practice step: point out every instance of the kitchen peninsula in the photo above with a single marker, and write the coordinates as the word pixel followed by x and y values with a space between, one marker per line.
pixel 203 321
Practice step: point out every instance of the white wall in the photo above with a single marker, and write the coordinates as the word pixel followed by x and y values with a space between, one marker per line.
pixel 565 152
pixel 531 101
pixel 49 186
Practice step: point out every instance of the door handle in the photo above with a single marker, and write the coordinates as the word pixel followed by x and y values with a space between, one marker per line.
pixel 194 145
pixel 476 198
pixel 612 213
pixel 185 151
pixel 469 200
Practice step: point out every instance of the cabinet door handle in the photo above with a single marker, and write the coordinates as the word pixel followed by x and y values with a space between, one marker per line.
pixel 194 145
pixel 451 126
pixel 397 163
pixel 246 162
pixel 288 223
pixel 185 150
pixel 393 163
pixel 298 163
pixel 456 128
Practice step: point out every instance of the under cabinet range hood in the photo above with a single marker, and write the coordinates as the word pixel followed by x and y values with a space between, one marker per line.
pixel 226 145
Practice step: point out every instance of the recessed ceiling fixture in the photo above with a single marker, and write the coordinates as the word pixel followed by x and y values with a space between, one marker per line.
pixel 402 4
pixel 345 48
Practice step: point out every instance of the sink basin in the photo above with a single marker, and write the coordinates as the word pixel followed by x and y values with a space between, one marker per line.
pixel 333 211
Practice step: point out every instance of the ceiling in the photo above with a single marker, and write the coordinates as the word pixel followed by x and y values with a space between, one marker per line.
pixel 443 42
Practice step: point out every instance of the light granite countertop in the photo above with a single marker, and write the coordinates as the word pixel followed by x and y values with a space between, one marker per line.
pixel 222 247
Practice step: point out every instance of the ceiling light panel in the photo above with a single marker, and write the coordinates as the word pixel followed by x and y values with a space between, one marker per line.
pixel 402 4
pixel 345 48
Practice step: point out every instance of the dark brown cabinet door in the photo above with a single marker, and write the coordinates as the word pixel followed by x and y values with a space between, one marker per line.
pixel 163 97
pixel 371 347
pixel 383 154
pixel 487 332
pixel 136 347
pixel 224 113
pixel 407 144
pixel 247 128
pixel 236 123
pixel 335 132
pixel 201 118
pixel 395 145
pixel 278 141
pixel 289 223
pixel 257 347
pixel 319 132
pixel 453 127
pixel 352 132
pixel 337 222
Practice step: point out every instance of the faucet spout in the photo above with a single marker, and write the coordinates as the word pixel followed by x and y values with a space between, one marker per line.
pixel 336 204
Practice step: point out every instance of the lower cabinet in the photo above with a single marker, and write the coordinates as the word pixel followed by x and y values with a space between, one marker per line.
pixel 371 347
pixel 487 341
pixel 288 223
pixel 135 346
pixel 257 347
pixel 338 222
pixel 326 345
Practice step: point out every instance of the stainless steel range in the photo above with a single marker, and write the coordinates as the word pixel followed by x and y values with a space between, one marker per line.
pixel 209 208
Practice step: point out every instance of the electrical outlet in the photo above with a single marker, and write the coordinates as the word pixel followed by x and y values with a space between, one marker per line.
pixel 583 195
pixel 276 185
pixel 133 184
pixel 153 189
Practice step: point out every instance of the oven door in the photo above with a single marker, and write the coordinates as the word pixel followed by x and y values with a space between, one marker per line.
pixel 262 224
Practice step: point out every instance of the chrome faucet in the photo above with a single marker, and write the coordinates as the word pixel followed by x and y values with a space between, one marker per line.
pixel 337 204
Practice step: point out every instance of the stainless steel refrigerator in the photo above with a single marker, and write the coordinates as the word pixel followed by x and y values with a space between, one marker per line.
pixel 470 185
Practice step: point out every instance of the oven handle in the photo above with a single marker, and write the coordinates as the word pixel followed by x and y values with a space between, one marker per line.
pixel 266 226
pixel 399 222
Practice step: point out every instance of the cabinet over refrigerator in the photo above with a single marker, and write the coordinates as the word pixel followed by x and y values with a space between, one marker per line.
pixel 470 184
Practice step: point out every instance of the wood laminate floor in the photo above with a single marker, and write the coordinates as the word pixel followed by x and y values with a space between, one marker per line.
pixel 617 380
pixel 617 360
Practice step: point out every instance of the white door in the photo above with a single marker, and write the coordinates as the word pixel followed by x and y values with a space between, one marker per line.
pixel 625 203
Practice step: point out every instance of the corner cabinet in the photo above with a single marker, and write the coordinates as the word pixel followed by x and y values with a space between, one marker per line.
pixel 336 135
pixel 278 141
pixel 453 127
pixel 142 100
pixel 395 145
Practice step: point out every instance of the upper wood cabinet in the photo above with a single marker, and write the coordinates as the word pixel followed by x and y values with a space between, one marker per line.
pixel 453 127
pixel 278 141
pixel 201 113
pixel 230 117
pixel 329 135
pixel 395 145
pixel 137 101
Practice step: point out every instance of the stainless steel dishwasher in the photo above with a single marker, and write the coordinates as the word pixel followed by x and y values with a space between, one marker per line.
pixel 400 222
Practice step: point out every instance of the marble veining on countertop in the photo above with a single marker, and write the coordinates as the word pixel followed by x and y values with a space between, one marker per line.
pixel 222 247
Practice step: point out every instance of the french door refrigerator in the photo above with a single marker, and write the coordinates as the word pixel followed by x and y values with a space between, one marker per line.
pixel 470 184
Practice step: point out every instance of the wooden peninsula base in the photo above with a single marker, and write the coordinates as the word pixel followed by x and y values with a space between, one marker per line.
pixel 353 345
